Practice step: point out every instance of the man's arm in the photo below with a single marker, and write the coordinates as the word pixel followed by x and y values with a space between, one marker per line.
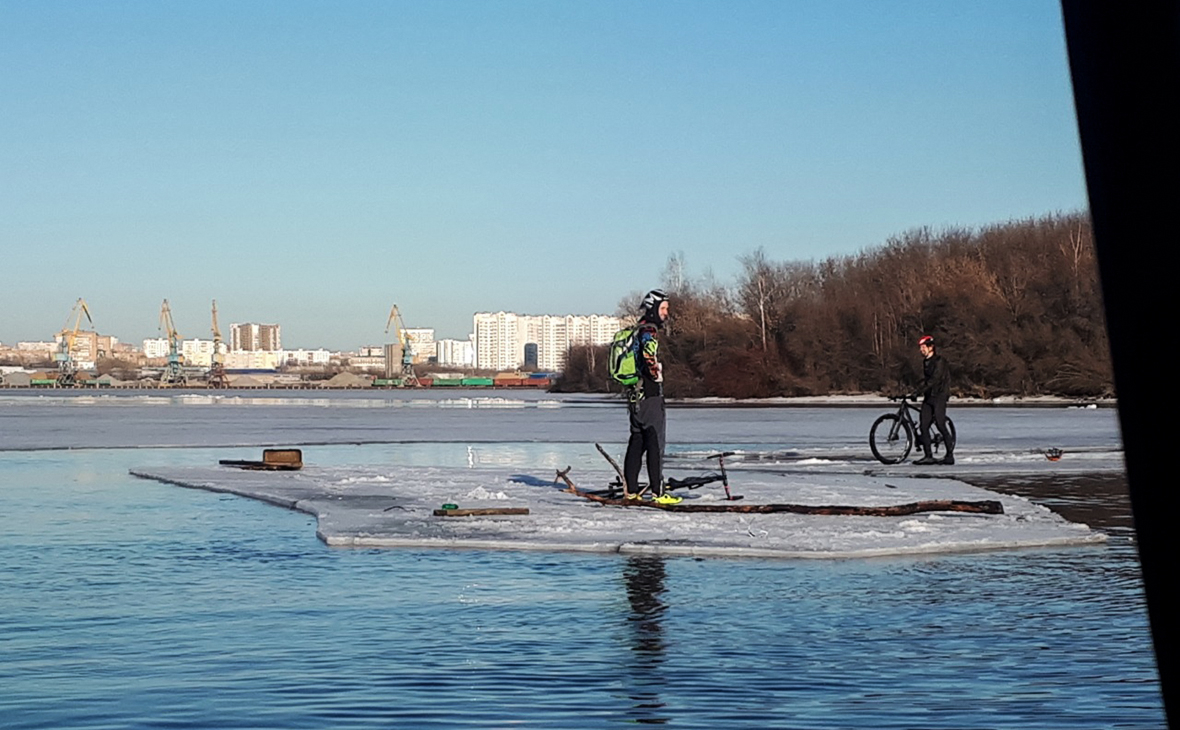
pixel 649 348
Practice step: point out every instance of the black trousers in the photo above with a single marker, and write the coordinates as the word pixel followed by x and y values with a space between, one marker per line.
pixel 934 410
pixel 648 426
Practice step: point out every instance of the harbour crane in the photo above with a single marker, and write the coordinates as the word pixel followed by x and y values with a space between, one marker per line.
pixel 66 367
pixel 217 376
pixel 173 374
pixel 408 378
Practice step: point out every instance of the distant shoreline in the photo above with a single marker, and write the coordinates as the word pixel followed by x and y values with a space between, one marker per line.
pixel 825 401
pixel 860 401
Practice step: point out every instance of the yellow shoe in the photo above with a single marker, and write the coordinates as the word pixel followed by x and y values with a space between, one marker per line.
pixel 668 499
pixel 633 497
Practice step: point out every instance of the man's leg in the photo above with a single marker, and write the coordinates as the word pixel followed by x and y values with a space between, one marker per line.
pixel 635 446
pixel 924 420
pixel 656 422
pixel 948 443
pixel 651 449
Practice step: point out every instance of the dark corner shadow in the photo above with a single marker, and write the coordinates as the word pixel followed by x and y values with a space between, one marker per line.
pixel 1125 63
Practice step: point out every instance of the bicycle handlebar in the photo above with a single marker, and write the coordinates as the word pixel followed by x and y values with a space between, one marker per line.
pixel 905 397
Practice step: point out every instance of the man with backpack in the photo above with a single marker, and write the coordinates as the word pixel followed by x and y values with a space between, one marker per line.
pixel 635 363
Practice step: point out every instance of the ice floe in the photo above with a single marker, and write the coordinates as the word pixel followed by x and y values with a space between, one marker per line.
pixel 393 506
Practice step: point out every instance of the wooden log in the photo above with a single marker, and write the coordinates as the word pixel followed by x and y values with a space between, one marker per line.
pixel 986 506
pixel 481 511
pixel 259 465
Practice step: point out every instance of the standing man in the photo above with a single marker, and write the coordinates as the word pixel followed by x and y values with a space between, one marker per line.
pixel 645 402
pixel 936 391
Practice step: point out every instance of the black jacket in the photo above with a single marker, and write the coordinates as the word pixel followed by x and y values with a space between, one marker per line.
pixel 936 383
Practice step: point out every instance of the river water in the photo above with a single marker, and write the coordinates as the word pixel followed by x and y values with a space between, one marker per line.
pixel 131 604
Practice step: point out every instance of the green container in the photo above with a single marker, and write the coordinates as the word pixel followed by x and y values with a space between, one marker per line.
pixel 478 382
pixel 447 382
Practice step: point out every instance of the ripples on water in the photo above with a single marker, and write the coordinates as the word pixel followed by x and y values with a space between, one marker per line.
pixel 132 604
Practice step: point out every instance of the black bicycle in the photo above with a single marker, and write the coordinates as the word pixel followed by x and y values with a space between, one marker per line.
pixel 614 490
pixel 892 436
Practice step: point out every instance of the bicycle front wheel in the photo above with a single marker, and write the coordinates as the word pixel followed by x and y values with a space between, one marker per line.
pixel 891 439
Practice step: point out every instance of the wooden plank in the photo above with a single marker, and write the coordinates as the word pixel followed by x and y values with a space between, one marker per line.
pixel 481 512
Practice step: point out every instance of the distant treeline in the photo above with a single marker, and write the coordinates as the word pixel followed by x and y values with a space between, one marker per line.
pixel 1016 309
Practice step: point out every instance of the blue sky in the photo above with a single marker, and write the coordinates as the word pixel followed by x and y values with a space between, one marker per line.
pixel 313 163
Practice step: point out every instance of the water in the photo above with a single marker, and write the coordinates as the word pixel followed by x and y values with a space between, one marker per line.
pixel 131 604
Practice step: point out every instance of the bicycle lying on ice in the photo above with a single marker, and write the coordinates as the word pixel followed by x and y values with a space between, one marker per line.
pixel 615 489
pixel 892 436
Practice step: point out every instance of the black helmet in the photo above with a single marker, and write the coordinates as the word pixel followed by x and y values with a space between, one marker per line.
pixel 650 306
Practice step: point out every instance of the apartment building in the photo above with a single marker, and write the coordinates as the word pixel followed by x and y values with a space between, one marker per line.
pixel 252 337
pixel 88 347
pixel 502 338
pixel 455 353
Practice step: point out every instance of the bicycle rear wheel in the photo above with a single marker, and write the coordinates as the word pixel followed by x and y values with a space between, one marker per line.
pixel 891 439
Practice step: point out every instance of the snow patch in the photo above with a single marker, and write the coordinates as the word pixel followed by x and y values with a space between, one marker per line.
pixel 479 493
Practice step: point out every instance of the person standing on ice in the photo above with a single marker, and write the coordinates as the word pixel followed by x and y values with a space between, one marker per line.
pixel 645 402
pixel 935 392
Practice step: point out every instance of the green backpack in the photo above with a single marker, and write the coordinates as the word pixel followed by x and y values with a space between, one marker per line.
pixel 624 366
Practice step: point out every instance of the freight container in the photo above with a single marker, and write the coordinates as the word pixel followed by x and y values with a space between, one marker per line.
pixel 478 382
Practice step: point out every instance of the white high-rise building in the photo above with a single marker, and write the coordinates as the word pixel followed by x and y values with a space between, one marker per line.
pixel 455 353
pixel 501 337
pixel 497 344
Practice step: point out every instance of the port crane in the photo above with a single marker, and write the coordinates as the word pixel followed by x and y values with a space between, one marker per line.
pixel 217 376
pixel 173 374
pixel 66 368
pixel 408 378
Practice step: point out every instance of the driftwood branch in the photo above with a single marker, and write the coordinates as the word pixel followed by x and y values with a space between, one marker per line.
pixel 615 465
pixel 481 512
pixel 987 506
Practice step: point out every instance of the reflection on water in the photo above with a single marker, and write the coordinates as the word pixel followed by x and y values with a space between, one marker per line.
pixel 644 578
